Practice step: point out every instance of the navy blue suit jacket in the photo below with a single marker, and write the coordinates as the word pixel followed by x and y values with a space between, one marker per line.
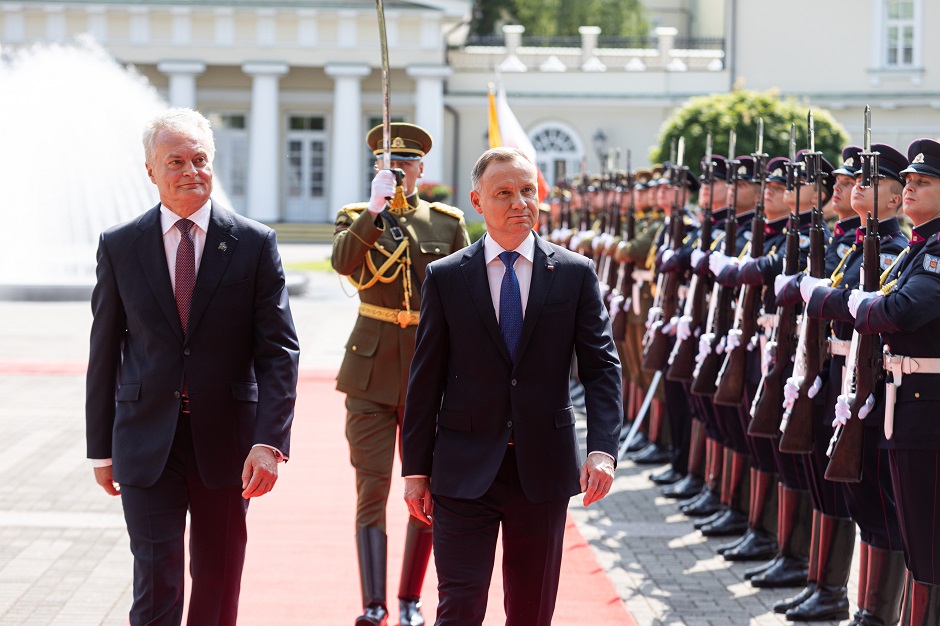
pixel 465 397
pixel 239 357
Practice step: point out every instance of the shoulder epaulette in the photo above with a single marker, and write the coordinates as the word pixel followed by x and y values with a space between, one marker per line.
pixel 355 209
pixel 446 209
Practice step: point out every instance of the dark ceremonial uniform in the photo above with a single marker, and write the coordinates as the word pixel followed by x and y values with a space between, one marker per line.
pixel 384 256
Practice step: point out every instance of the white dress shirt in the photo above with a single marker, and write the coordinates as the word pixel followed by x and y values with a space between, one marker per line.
pixel 495 268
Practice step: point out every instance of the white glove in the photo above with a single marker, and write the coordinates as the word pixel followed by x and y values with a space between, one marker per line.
pixel 732 340
pixel 815 387
pixel 808 284
pixel 668 326
pixel 720 346
pixel 697 256
pixel 667 254
pixel 857 297
pixel 704 346
pixel 653 315
pixel 843 411
pixel 574 242
pixel 383 186
pixel 684 328
pixel 791 391
pixel 599 241
pixel 717 262
pixel 780 281
pixel 867 407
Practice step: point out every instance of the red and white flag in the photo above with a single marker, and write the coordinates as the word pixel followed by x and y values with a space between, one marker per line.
pixel 505 130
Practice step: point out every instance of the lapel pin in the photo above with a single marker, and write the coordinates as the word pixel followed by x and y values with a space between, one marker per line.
pixel 223 247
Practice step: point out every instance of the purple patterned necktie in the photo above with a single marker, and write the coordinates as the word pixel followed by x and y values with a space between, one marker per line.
pixel 185 271
pixel 510 304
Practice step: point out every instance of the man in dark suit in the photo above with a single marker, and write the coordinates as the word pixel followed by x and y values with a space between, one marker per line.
pixel 489 437
pixel 192 378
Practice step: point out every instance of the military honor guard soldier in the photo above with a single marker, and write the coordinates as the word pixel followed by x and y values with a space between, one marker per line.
pixel 383 248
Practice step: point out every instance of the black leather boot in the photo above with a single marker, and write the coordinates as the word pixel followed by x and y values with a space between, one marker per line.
pixel 760 541
pixel 925 604
pixel 734 494
pixel 667 476
pixel 372 545
pixel 652 454
pixel 751 572
pixel 414 565
pixel 884 586
pixel 812 571
pixel 794 530
pixel 830 599
pixel 688 486
pixel 705 505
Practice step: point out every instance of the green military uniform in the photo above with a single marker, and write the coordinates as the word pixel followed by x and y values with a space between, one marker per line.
pixel 385 257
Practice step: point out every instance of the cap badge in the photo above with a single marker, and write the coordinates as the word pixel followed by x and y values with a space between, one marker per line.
pixel 919 158
pixel 742 170
pixel 850 162
pixel 398 142
pixel 777 172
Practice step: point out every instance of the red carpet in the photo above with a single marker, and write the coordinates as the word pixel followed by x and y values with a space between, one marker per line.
pixel 301 566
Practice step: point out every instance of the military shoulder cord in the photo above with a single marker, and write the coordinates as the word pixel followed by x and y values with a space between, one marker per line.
pixel 889 287
pixel 837 275
pixel 381 274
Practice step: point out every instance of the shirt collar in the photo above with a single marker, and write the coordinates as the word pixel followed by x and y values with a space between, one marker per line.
pixel 200 218
pixel 847 225
pixel 925 231
pixel 492 250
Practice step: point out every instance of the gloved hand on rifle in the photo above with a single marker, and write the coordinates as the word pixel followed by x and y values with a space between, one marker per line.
pixel 858 296
pixel 809 284
pixel 654 313
pixel 704 346
pixel 733 340
pixel 669 326
pixel 697 256
pixel 383 186
pixel 684 328
pixel 844 409
pixel 717 262
pixel 791 391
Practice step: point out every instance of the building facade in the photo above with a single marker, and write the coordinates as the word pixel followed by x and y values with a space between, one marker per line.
pixel 292 86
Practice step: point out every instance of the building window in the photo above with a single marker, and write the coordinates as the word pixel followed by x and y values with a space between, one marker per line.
pixel 559 151
pixel 231 155
pixel 901 33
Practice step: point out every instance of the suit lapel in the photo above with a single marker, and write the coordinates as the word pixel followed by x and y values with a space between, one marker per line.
pixel 542 278
pixel 220 246
pixel 152 256
pixel 474 271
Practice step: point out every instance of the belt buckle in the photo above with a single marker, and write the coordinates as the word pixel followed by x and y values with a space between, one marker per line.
pixel 404 319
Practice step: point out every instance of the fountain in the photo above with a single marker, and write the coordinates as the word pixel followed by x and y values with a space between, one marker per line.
pixel 71 163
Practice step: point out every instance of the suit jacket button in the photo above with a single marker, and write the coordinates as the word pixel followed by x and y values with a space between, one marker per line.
pixel 513 382
pixel 176 395
pixel 509 424
pixel 186 351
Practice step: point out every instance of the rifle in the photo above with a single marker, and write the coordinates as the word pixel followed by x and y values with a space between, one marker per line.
pixel 656 349
pixel 623 298
pixel 797 423
pixel 863 364
pixel 729 388
pixel 767 408
pixel 682 359
pixel 607 278
pixel 719 311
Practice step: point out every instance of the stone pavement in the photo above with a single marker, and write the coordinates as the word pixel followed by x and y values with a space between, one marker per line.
pixel 64 558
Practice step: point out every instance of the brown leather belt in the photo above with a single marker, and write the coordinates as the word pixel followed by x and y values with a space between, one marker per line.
pixel 393 316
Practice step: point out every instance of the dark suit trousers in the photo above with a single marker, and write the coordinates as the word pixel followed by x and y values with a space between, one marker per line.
pixel 156 522
pixel 465 535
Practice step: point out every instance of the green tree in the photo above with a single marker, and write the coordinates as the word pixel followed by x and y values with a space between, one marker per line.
pixel 740 110
pixel 550 18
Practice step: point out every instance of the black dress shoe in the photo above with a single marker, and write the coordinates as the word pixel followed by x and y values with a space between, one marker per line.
pixel 731 523
pixel 758 545
pixel 751 572
pixel 785 605
pixel 708 504
pixel 653 454
pixel 410 613
pixel 640 441
pixel 733 543
pixel 375 615
pixel 787 571
pixel 826 603
pixel 711 519
pixel 689 486
pixel 666 477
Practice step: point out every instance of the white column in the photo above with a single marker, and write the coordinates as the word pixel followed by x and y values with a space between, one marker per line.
pixel 264 138
pixel 348 138
pixel 429 114
pixel 182 88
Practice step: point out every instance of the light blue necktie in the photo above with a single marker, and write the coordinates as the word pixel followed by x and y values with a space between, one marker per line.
pixel 510 305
